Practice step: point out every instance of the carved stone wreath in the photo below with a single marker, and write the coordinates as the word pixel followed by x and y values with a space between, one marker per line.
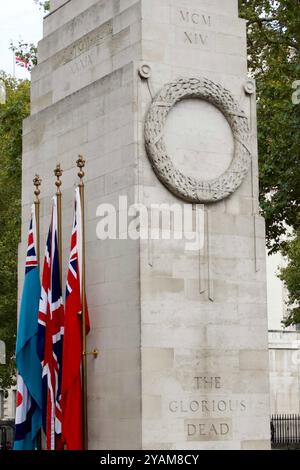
pixel 187 187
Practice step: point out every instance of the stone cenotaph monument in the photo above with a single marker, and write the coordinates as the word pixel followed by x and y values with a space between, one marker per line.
pixel 155 95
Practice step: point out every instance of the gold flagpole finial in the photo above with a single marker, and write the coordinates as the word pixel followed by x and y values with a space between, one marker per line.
pixel 58 173
pixel 81 164
pixel 37 181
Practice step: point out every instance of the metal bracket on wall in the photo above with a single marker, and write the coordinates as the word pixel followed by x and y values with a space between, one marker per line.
pixel 95 353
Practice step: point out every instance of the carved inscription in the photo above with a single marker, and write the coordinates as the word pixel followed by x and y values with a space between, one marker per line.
pixel 84 44
pixel 208 429
pixel 204 406
pixel 200 23
pixel 207 418
pixel 195 38
pixel 81 63
pixel 195 18
pixel 207 383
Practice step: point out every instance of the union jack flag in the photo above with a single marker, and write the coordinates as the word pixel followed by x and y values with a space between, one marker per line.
pixel 22 62
pixel 31 258
pixel 50 337
pixel 72 398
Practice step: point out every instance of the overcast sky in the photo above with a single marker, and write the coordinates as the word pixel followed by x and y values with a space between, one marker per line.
pixel 19 19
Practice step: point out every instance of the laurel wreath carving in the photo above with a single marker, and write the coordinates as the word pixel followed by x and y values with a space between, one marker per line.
pixel 187 187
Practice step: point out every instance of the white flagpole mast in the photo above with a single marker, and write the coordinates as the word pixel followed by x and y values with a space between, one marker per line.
pixel 14 64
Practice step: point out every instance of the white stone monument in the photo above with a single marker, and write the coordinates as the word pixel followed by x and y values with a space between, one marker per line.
pixel 155 95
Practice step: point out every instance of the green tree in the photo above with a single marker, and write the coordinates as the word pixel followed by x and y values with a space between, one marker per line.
pixel 12 114
pixel 45 5
pixel 290 275
pixel 274 61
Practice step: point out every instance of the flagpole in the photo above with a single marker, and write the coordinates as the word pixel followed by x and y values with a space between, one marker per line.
pixel 58 183
pixel 58 173
pixel 37 181
pixel 81 164
pixel 37 203
pixel 14 64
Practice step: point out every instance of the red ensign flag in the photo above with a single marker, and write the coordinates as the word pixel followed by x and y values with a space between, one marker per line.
pixel 72 399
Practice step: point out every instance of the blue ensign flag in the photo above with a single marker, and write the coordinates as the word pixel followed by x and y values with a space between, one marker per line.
pixel 28 406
